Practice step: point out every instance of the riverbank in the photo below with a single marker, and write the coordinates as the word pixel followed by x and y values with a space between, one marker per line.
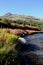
pixel 19 29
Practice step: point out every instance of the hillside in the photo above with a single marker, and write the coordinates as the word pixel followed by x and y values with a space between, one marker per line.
pixel 21 17
pixel 23 23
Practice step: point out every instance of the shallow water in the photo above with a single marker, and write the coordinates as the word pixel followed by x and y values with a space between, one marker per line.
pixel 36 39
pixel 34 44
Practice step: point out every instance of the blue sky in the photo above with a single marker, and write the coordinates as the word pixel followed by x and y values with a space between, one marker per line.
pixel 25 7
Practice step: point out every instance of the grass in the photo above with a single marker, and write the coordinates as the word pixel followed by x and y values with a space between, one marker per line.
pixel 8 53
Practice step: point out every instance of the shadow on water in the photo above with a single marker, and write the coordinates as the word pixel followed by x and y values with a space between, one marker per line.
pixel 32 47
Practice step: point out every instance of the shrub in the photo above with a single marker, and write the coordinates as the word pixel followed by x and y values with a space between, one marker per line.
pixel 4 20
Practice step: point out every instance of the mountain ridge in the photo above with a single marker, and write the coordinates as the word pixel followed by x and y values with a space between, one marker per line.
pixel 21 17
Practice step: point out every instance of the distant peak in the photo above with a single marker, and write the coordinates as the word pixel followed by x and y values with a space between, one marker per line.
pixel 8 14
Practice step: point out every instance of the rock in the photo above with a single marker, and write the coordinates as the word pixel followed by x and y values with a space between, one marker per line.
pixel 22 40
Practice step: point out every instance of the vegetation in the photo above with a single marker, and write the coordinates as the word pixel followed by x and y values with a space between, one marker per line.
pixel 8 53
pixel 4 20
pixel 24 22
pixel 36 24
pixel 31 23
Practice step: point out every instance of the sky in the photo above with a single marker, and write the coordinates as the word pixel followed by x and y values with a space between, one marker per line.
pixel 23 7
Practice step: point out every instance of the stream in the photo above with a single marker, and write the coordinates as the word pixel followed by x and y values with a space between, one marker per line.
pixel 34 47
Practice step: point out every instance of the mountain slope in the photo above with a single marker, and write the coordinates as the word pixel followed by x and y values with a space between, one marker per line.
pixel 21 17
